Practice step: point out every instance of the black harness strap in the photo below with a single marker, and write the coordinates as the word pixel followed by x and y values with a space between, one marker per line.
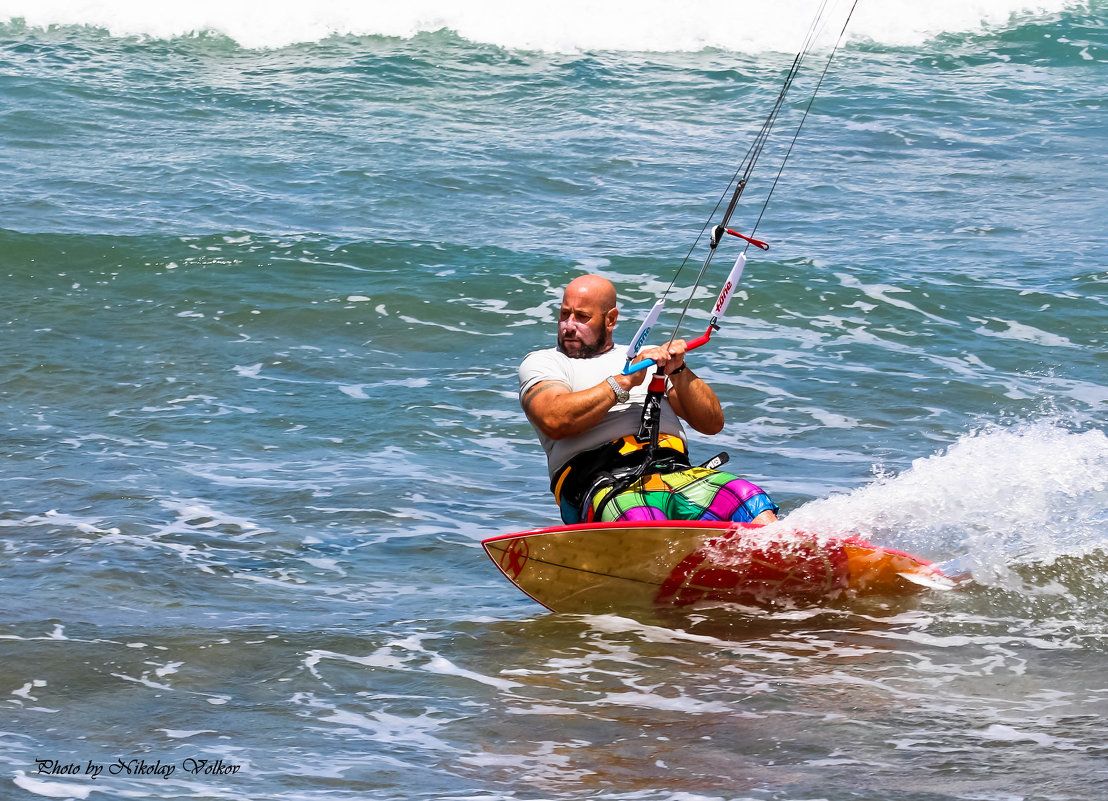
pixel 616 466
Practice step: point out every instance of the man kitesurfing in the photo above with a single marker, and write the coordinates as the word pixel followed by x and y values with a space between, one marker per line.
pixel 645 529
pixel 616 449
pixel 588 415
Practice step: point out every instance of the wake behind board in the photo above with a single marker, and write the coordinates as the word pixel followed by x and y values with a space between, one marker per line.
pixel 609 567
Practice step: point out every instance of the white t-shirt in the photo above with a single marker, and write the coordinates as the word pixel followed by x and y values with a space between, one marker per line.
pixel 622 420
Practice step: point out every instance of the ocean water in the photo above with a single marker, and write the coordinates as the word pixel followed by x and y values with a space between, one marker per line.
pixel 268 270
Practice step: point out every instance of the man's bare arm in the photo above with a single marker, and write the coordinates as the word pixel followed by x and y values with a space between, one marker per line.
pixel 559 413
pixel 695 402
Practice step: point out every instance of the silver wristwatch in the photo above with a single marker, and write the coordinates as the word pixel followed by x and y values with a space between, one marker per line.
pixel 622 395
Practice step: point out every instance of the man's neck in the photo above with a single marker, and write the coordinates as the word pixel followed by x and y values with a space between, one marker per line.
pixel 591 355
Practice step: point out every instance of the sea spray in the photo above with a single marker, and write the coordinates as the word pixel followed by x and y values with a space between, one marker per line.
pixel 998 495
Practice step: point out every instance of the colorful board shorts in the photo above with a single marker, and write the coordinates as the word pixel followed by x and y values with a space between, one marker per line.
pixel 694 493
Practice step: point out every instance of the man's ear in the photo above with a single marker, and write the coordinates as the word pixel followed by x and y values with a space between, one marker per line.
pixel 610 319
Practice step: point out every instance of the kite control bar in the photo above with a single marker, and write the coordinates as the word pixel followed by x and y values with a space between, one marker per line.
pixel 717 312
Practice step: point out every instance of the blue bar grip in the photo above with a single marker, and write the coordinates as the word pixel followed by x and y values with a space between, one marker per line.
pixel 634 368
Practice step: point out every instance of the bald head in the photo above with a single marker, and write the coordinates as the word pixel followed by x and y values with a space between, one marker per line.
pixel 588 316
pixel 592 289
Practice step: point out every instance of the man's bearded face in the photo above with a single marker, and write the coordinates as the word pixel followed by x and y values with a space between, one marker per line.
pixel 582 335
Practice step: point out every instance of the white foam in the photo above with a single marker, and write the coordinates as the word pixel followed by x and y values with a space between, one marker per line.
pixel 568 26
pixel 53 518
pixel 1034 491
pixel 1022 332
pixel 407 655
pixel 684 704
pixel 183 734
pixel 354 391
pixel 1008 734
pixel 51 789
pixel 25 690
pixel 193 515
pixel 416 731
pixel 881 293
pixel 331 565
pixel 249 370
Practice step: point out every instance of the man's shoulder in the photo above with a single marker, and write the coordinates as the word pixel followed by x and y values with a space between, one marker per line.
pixel 543 365
pixel 545 360
pixel 552 357
pixel 544 354
pixel 550 364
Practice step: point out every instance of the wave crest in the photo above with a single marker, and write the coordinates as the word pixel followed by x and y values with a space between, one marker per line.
pixel 747 26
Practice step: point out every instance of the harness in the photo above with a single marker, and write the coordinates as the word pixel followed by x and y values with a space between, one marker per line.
pixel 620 463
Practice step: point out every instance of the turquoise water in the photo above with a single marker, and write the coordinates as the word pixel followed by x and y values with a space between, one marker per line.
pixel 263 304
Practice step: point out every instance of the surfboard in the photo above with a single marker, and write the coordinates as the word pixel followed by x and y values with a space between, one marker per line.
pixel 618 567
